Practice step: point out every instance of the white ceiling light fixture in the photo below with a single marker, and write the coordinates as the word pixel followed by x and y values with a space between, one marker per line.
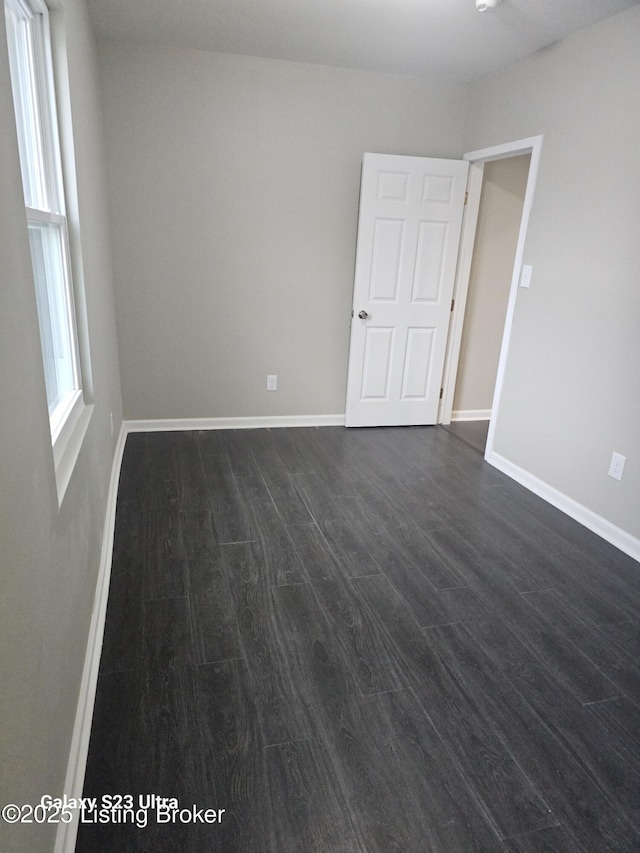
pixel 485 5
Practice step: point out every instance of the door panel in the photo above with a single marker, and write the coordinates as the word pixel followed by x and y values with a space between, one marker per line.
pixel 430 254
pixel 377 363
pixel 408 234
pixel 417 364
pixel 388 238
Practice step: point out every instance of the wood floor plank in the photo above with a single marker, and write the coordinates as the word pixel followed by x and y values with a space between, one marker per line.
pixel 133 485
pixel 316 496
pixel 366 644
pixel 524 559
pixel 290 506
pixel 214 626
pixel 270 453
pixel 412 578
pixel 162 450
pixel 147 734
pixel 400 500
pixel 562 769
pixel 570 538
pixel 291 447
pixel 233 759
pixel 416 572
pixel 164 574
pixel 460 554
pixel 605 759
pixel 354 550
pixel 403 453
pixel 193 495
pixel 365 770
pixel 507 797
pixel 436 787
pixel 238 446
pixel 525 520
pixel 122 643
pixel 308 809
pixel 607 595
pixel 115 735
pixel 505 792
pixel 613 646
pixel 277 554
pixel 555 839
pixel 314 552
pixel 443 567
pixel 517 511
pixel 281 708
pixel 335 459
pixel 472 477
pixel 547 643
pixel 166 635
pixel 545 638
pixel 279 557
pixel 227 508
pixel 473 433
pixel 619 721
pixel 208 441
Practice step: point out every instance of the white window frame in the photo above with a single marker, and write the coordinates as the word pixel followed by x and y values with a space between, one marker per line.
pixel 39 142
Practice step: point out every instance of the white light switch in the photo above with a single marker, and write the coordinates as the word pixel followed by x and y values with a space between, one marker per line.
pixel 272 382
pixel 525 275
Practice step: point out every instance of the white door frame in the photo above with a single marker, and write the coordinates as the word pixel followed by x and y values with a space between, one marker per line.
pixel 532 145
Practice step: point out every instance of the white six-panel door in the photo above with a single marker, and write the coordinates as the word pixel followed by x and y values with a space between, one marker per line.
pixel 408 234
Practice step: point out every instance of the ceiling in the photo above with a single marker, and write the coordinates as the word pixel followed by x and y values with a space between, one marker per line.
pixel 447 39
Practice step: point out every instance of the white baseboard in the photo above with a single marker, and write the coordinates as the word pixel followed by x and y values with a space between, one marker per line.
pixel 615 535
pixel 471 415
pixel 76 767
pixel 266 422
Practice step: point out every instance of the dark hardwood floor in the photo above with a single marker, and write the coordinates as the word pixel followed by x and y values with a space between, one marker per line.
pixel 362 641
pixel 474 433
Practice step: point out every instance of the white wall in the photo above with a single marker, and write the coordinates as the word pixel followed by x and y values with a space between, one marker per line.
pixel 571 392
pixel 234 195
pixel 49 557
pixel 503 187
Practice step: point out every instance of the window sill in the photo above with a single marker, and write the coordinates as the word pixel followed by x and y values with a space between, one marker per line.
pixel 68 442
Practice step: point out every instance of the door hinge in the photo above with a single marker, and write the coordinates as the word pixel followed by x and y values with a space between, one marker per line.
pixel 466 196
pixel 441 393
pixel 453 302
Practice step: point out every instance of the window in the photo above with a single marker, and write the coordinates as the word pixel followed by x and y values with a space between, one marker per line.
pixel 39 144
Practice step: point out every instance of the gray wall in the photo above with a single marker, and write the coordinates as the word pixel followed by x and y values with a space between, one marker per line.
pixel 49 557
pixel 234 194
pixel 503 187
pixel 571 393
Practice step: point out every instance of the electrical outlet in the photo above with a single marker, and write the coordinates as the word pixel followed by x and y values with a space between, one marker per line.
pixel 111 418
pixel 272 382
pixel 617 466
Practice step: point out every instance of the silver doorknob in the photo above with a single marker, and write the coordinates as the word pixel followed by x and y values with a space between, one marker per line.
pixel 363 315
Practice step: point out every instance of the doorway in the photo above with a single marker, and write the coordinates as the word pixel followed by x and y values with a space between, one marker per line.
pixel 501 186
pixel 391 377
pixel 504 185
